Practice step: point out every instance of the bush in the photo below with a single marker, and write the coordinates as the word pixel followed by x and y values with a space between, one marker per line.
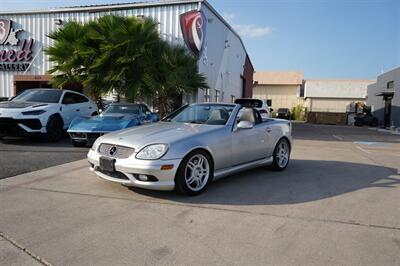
pixel 299 113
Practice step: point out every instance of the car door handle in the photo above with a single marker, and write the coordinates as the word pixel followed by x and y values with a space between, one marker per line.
pixel 78 110
pixel 90 107
pixel 268 130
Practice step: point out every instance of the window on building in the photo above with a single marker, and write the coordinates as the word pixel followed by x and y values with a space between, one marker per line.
pixel 302 89
pixel 217 94
pixel 390 85
pixel 233 98
pixel 206 95
pixel 269 102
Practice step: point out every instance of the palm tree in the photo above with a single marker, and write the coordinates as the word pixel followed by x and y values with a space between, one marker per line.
pixel 123 54
pixel 172 72
pixel 123 45
pixel 65 54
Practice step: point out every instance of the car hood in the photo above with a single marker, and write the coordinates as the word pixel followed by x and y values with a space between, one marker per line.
pixel 161 132
pixel 20 105
pixel 102 123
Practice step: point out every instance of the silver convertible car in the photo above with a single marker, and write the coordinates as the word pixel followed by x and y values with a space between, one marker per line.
pixel 191 147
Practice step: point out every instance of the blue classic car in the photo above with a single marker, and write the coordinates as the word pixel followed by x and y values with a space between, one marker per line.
pixel 85 130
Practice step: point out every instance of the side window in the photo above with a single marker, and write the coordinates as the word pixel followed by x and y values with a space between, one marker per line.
pixel 145 109
pixel 69 98
pixel 81 98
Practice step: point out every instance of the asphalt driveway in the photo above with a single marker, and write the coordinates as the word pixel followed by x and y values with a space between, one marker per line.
pixel 337 203
pixel 23 155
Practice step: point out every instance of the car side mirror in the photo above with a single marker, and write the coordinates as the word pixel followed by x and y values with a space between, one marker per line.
pixel 245 125
pixel 271 110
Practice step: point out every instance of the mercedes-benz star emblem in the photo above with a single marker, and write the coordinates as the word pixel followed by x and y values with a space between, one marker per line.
pixel 113 150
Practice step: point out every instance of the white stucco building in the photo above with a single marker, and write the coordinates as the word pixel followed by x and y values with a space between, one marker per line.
pixel 221 54
pixel 334 95
pixel 384 98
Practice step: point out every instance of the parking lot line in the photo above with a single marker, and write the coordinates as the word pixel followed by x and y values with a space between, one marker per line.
pixel 363 150
pixel 337 137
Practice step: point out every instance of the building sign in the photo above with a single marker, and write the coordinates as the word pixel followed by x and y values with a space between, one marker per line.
pixel 15 54
pixel 193 25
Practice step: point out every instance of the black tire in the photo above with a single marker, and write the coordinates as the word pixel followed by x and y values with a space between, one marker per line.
pixel 358 123
pixel 78 143
pixel 181 185
pixel 1 137
pixel 276 164
pixel 374 122
pixel 55 128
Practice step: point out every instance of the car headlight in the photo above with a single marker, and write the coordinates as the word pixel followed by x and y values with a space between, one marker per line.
pixel 95 144
pixel 35 112
pixel 152 152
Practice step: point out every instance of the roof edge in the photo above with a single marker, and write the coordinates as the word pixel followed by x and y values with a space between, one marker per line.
pixel 223 20
pixel 99 8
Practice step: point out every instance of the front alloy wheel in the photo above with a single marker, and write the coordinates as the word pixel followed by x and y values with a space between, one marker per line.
pixel 194 174
pixel 54 129
pixel 281 155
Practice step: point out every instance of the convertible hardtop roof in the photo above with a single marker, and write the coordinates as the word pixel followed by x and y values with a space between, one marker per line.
pixel 249 102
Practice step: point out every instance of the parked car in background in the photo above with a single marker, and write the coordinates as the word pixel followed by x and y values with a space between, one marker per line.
pixel 260 105
pixel 283 113
pixel 85 130
pixel 43 111
pixel 365 120
pixel 191 147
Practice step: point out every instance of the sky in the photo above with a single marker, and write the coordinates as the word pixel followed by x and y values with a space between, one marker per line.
pixel 322 38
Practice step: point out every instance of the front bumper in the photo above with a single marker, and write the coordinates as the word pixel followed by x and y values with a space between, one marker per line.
pixel 127 171
pixel 85 137
pixel 13 126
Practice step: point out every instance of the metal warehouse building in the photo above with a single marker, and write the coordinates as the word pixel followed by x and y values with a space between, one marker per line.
pixel 221 54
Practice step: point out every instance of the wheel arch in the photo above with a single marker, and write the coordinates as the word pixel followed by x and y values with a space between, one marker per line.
pixel 287 139
pixel 55 115
pixel 204 149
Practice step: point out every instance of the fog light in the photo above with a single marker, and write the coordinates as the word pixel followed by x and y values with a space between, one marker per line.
pixel 145 178
pixel 142 177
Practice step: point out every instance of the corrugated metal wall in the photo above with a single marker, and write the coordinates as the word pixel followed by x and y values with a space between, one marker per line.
pixel 37 26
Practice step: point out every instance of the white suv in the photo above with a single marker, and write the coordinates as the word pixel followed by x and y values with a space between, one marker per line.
pixel 44 111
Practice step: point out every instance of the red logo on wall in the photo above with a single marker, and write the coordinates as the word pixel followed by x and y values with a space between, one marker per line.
pixel 5 27
pixel 193 25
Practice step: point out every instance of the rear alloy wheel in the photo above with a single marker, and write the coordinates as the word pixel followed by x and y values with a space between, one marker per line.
pixel 281 155
pixel 54 128
pixel 194 174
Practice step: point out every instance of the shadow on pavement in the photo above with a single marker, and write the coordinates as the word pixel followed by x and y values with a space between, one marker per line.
pixel 39 141
pixel 303 181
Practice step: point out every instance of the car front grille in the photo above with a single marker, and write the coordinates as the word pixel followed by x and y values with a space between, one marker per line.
pixel 115 151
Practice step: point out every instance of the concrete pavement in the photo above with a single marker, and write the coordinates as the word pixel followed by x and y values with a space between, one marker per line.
pixel 335 204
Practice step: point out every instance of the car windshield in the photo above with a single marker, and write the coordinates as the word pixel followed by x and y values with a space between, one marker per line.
pixel 123 109
pixel 282 110
pixel 210 114
pixel 41 96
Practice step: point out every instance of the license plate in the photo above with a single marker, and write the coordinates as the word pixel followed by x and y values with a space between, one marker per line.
pixel 107 164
